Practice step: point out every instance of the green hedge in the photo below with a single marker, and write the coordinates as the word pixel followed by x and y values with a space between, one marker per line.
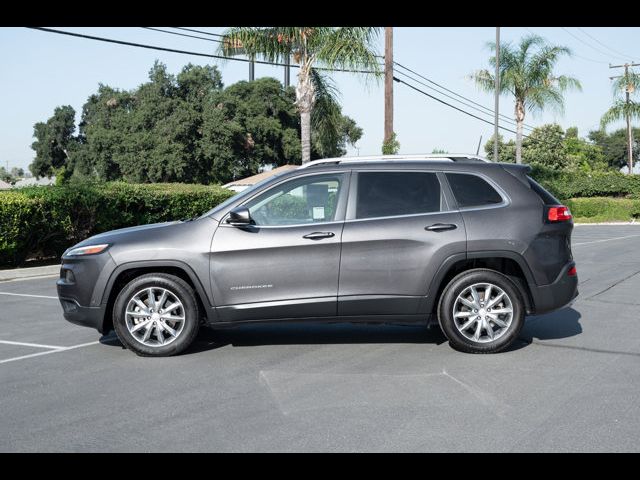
pixel 604 209
pixel 566 185
pixel 44 221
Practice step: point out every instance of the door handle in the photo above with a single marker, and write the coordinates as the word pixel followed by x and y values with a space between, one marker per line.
pixel 319 235
pixel 441 227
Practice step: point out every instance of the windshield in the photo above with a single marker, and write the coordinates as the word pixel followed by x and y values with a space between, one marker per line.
pixel 240 195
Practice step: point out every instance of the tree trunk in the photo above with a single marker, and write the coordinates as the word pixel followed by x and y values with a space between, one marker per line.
pixel 305 98
pixel 305 135
pixel 519 122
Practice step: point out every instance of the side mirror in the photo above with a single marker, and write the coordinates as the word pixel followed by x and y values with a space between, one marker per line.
pixel 239 217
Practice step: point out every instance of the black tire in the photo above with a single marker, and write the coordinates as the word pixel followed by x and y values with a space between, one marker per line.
pixel 446 304
pixel 178 287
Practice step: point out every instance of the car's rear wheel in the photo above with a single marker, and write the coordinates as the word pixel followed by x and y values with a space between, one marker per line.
pixel 481 311
pixel 156 315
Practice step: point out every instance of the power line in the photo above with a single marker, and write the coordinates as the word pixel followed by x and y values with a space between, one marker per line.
pixel 185 52
pixel 621 55
pixel 575 54
pixel 587 44
pixel 150 47
pixel 452 106
pixel 508 120
pixel 199 31
pixel 182 34
pixel 488 110
pixel 605 46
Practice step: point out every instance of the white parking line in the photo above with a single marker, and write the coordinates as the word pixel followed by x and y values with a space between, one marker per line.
pixel 36 345
pixel 35 277
pixel 605 240
pixel 27 295
pixel 57 350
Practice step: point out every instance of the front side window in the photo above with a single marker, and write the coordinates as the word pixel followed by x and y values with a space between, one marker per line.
pixel 472 191
pixel 300 201
pixel 386 194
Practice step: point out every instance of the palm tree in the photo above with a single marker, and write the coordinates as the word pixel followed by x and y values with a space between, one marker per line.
pixel 624 108
pixel 311 48
pixel 526 72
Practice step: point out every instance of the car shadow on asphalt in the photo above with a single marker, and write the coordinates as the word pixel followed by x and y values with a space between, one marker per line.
pixel 556 325
pixel 560 324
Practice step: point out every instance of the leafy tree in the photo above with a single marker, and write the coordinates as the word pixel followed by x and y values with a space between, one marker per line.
pixel 506 150
pixel 54 142
pixel 614 146
pixel 527 73
pixel 188 128
pixel 5 176
pixel 583 156
pixel 251 124
pixel 343 47
pixel 554 149
pixel 621 109
pixel 545 146
pixel 438 151
pixel 331 131
pixel 391 146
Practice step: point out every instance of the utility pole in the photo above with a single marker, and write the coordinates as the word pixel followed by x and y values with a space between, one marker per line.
pixel 627 93
pixel 497 99
pixel 252 70
pixel 287 71
pixel 388 83
pixel 479 142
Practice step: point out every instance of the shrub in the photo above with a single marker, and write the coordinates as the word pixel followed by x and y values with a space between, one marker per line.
pixel 604 209
pixel 47 220
pixel 594 184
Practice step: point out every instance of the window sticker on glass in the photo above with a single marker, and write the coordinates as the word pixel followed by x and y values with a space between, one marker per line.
pixel 318 213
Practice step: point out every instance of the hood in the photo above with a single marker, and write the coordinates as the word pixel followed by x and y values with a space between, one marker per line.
pixel 126 233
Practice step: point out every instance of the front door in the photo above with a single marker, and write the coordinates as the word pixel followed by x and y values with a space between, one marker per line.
pixel 399 229
pixel 286 264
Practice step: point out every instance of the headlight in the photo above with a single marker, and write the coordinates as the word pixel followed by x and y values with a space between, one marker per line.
pixel 88 250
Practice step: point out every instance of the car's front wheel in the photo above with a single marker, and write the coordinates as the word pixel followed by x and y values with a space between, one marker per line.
pixel 481 311
pixel 156 315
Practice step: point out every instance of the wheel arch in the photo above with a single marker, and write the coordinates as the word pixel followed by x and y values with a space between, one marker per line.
pixel 510 264
pixel 124 273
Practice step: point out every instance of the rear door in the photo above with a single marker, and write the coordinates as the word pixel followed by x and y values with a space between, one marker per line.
pixel 399 229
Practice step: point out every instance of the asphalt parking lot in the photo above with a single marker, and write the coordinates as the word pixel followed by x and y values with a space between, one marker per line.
pixel 572 382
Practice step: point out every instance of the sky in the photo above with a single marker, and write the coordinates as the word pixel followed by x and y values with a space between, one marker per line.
pixel 41 71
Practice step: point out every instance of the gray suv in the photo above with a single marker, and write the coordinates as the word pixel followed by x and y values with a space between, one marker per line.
pixel 472 245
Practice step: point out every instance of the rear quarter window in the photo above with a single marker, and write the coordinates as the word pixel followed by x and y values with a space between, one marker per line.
pixel 472 190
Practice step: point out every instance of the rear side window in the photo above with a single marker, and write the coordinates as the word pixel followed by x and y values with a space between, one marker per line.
pixel 472 191
pixel 386 194
pixel 545 196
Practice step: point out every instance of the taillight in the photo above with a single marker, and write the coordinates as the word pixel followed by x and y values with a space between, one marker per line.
pixel 572 272
pixel 558 213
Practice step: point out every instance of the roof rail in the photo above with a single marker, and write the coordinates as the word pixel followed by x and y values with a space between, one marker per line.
pixel 442 157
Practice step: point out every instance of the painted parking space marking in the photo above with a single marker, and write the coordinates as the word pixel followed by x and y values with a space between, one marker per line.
pixel 35 345
pixel 28 295
pixel 35 277
pixel 56 350
pixel 604 240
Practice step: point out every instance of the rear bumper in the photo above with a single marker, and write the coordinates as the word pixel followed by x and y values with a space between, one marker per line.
pixel 86 316
pixel 559 294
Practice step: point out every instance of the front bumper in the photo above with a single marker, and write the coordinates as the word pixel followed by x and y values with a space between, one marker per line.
pixel 86 316
pixel 81 289
pixel 559 294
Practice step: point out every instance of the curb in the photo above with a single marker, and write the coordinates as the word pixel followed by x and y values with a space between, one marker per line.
pixel 16 273
pixel 607 223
